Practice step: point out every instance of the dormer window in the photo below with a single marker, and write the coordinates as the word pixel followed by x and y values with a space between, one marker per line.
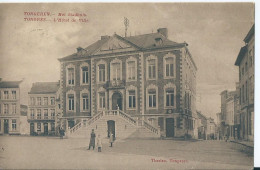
pixel 158 41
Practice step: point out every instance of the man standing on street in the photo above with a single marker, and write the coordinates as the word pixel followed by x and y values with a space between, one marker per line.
pixel 92 140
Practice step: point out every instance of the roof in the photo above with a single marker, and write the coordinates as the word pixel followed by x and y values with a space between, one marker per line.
pixel 250 34
pixel 240 55
pixel 201 115
pixel 9 84
pixel 44 87
pixel 140 42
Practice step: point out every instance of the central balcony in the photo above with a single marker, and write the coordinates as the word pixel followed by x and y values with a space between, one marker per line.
pixel 115 84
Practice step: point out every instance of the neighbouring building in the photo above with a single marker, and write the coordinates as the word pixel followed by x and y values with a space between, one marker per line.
pixel 206 127
pixel 24 125
pixel 42 108
pixel 147 80
pixel 10 107
pixel 245 62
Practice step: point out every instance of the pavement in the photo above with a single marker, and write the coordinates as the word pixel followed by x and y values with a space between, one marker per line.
pixel 243 142
pixel 54 153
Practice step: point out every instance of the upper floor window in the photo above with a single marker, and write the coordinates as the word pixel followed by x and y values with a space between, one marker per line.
pixel 52 113
pixel 151 69
pixel 71 78
pixel 32 101
pixel 13 108
pixel 32 113
pixel 169 67
pixel 102 101
pixel 6 95
pixel 85 73
pixel 71 102
pixel 170 97
pixel 39 101
pixel 131 70
pixel 6 109
pixel 39 114
pixel 45 113
pixel 102 72
pixel 52 100
pixel 152 98
pixel 246 67
pixel 243 71
pixel 85 102
pixel 45 100
pixel 116 71
pixel 131 99
pixel 13 94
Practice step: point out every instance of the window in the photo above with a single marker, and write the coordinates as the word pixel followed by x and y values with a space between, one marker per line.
pixel 39 101
pixel 71 102
pixel 52 113
pixel 250 58
pixel 45 101
pixel 13 108
pixel 151 69
pixel 84 74
pixel 132 99
pixel 170 97
pixel 6 110
pixel 71 76
pixel 152 98
pixel 32 113
pixel 116 72
pixel 38 127
pixel 131 70
pixel 52 126
pixel 246 67
pixel 243 71
pixel 39 114
pixel 246 90
pixel 85 102
pixel 32 99
pixel 52 100
pixel 14 124
pixel 13 94
pixel 169 67
pixel 45 113
pixel 102 103
pixel 102 74
pixel 6 96
pixel 243 93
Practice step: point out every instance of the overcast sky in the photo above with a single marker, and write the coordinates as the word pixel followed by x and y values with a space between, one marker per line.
pixel 214 32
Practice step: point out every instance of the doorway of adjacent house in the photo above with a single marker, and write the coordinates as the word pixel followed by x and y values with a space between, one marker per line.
pixel 31 128
pixel 117 101
pixel 6 126
pixel 45 125
pixel 111 128
pixel 169 127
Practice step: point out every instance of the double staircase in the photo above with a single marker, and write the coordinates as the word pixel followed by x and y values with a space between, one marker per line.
pixel 126 126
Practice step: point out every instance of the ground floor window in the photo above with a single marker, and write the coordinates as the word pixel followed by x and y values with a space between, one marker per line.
pixel 52 126
pixel 14 124
pixel 102 100
pixel 38 127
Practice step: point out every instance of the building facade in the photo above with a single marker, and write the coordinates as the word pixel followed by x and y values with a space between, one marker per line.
pixel 147 77
pixel 10 107
pixel 42 108
pixel 245 62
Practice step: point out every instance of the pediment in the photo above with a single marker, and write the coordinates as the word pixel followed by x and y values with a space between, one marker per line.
pixel 114 44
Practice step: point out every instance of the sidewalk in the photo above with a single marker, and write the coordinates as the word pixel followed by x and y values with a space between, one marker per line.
pixel 245 143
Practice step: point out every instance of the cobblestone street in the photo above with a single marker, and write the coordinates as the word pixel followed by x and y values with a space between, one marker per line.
pixel 53 153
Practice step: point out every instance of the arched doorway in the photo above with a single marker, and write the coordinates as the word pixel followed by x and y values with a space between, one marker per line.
pixel 117 101
pixel 111 128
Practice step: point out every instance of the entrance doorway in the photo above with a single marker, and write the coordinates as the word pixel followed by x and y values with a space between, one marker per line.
pixel 71 123
pixel 6 126
pixel 45 125
pixel 117 101
pixel 111 128
pixel 169 127
pixel 32 129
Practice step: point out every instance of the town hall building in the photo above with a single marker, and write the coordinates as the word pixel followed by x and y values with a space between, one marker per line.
pixel 128 85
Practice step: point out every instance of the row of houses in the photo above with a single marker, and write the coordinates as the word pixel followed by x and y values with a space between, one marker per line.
pixel 236 120
pixel 142 84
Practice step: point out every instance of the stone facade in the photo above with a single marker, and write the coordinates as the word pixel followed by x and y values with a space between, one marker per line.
pixel 148 77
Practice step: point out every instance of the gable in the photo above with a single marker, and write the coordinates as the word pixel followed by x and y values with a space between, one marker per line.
pixel 114 44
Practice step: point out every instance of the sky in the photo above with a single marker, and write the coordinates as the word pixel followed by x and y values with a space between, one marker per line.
pixel 214 31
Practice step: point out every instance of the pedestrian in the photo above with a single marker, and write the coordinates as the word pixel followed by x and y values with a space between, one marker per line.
pixel 92 140
pixel 111 139
pixel 99 143
pixel 61 131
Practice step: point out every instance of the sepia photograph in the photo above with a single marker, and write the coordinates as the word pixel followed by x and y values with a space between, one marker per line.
pixel 127 85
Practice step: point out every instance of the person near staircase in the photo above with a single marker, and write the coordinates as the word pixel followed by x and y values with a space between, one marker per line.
pixel 99 143
pixel 92 140
pixel 111 139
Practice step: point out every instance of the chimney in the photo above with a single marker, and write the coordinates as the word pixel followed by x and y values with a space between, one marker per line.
pixel 104 37
pixel 163 31
pixel 79 49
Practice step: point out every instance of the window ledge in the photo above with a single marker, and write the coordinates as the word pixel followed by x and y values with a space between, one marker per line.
pixel 152 108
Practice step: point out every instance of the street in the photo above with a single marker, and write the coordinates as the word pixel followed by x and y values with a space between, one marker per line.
pixel 18 152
